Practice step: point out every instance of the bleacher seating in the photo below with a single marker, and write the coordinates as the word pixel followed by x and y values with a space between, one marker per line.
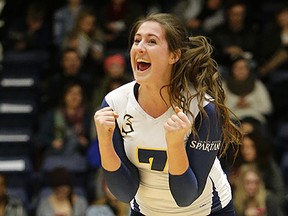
pixel 18 171
pixel 14 142
pixel 76 165
pixel 19 98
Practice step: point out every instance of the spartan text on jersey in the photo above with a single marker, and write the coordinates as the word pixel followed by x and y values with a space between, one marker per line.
pixel 205 145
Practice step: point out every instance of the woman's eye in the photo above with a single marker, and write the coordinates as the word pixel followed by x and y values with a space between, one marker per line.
pixel 152 41
pixel 136 41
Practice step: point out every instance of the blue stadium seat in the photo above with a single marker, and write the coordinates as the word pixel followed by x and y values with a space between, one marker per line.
pixel 18 171
pixel 46 191
pixel 76 165
pixel 17 114
pixel 19 87
pixel 16 142
pixel 30 62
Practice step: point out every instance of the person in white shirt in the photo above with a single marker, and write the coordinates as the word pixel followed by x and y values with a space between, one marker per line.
pixel 247 96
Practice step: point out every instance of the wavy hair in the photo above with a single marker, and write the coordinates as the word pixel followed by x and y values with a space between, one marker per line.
pixel 197 67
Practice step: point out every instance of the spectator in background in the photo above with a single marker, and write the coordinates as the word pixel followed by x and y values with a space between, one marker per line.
pixel 71 69
pixel 247 125
pixel 87 37
pixel 9 206
pixel 246 95
pixel 62 201
pixel 236 36
pixel 250 124
pixel 30 32
pixel 116 17
pixel 273 62
pixel 64 20
pixel 108 204
pixel 251 198
pixel 274 45
pixel 256 149
pixel 65 130
pixel 200 16
pixel 116 74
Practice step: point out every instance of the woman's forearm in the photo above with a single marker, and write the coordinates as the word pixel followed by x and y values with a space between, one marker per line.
pixel 177 159
pixel 109 158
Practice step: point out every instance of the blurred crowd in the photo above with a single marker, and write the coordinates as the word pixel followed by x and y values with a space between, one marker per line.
pixel 76 51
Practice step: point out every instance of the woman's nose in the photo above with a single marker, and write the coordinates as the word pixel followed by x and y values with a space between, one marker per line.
pixel 141 47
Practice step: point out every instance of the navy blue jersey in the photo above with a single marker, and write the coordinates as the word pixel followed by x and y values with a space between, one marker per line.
pixel 143 178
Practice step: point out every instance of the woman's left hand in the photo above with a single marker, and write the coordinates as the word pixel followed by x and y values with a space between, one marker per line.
pixel 176 127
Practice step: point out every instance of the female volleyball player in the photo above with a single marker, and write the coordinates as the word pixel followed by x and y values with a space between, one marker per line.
pixel 160 136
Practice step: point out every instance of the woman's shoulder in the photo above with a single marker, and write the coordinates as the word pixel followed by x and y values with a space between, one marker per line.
pixel 121 93
pixel 207 103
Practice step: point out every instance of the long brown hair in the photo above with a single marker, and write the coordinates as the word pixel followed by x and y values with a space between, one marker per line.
pixel 197 67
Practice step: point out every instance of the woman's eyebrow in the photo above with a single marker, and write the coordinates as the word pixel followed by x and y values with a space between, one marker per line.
pixel 149 35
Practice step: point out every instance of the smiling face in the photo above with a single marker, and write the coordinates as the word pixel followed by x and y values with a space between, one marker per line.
pixel 150 57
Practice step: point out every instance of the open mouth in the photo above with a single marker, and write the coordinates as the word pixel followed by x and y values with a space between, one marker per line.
pixel 143 65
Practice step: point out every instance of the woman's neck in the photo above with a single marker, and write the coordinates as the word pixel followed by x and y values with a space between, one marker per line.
pixel 152 102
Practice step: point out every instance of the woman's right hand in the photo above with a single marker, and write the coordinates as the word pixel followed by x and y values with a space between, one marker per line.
pixel 104 120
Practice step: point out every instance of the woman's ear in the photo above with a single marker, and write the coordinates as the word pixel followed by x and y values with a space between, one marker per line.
pixel 175 56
